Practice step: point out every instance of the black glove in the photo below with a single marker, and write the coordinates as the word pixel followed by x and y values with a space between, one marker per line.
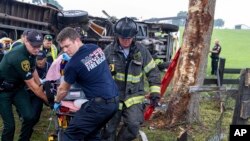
pixel 154 99
pixel 50 93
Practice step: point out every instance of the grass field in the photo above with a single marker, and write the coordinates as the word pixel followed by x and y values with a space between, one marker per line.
pixel 235 49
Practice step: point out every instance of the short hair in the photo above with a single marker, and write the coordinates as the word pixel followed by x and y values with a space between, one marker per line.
pixel 67 32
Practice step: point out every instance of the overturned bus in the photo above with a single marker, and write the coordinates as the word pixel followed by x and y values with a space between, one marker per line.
pixel 17 16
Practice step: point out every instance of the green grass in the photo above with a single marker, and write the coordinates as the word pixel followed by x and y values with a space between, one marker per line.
pixel 235 46
pixel 210 119
pixel 235 49
pixel 40 130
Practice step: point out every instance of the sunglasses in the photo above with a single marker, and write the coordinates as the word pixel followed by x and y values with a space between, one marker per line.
pixel 49 38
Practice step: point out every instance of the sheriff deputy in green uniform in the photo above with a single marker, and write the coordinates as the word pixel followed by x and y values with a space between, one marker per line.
pixel 17 68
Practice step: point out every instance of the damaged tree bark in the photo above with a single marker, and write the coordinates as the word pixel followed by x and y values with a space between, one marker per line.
pixel 191 67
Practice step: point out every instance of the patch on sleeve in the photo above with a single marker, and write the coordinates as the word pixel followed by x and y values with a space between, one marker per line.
pixel 25 65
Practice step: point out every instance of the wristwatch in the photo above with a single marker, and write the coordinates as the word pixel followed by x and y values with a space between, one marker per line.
pixel 57 102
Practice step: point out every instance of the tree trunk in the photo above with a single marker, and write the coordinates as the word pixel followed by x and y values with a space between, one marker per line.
pixel 191 67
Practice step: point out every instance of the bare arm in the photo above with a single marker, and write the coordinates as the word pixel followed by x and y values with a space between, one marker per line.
pixel 36 77
pixel 62 91
pixel 214 51
pixel 38 91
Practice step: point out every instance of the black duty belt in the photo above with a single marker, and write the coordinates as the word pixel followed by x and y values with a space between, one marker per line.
pixel 102 100
pixel 8 86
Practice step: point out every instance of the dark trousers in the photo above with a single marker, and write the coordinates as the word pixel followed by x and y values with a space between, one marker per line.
pixel 214 65
pixel 88 121
pixel 37 106
pixel 132 119
pixel 21 100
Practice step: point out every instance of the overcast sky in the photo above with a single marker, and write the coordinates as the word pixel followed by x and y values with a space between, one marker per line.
pixel 231 11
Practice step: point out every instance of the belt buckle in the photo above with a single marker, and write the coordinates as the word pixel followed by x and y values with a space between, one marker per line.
pixel 98 99
pixel 111 100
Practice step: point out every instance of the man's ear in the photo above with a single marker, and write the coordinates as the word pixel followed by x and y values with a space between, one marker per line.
pixel 25 39
pixel 78 41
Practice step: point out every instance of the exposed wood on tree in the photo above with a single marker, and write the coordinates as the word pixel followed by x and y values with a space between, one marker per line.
pixel 184 106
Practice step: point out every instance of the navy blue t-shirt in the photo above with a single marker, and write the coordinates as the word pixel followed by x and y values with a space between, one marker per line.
pixel 88 67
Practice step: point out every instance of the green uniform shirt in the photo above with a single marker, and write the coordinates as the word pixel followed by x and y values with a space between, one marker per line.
pixel 17 65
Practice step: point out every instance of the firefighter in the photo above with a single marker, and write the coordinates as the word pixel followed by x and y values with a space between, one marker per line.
pixel 17 68
pixel 130 62
pixel 88 68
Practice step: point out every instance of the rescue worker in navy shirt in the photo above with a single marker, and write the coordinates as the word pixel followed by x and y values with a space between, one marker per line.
pixel 88 68
pixel 130 62
pixel 215 53
pixel 17 69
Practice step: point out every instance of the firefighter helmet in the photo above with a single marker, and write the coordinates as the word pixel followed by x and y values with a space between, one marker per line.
pixel 125 28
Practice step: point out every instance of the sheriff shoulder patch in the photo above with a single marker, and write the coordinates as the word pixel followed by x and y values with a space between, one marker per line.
pixel 25 65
